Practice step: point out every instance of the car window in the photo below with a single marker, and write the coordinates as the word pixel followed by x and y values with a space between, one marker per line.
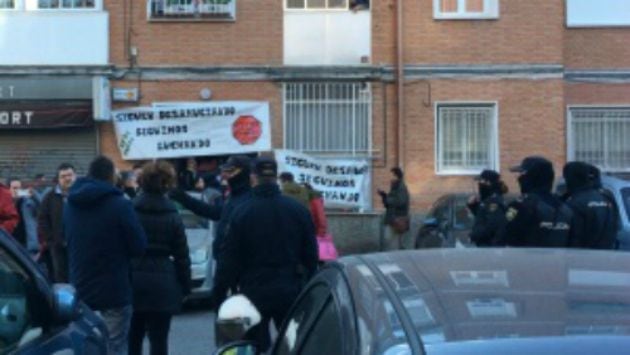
pixel 441 210
pixel 297 322
pixel 625 193
pixel 463 217
pixel 325 336
pixel 15 320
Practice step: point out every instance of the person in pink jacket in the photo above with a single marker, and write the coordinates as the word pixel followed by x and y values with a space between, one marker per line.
pixel 326 246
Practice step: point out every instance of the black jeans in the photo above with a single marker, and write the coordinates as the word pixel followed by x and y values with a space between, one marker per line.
pixel 157 325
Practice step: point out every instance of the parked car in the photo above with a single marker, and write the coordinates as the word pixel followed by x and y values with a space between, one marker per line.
pixel 448 223
pixel 462 301
pixel 39 318
pixel 200 234
pixel 620 189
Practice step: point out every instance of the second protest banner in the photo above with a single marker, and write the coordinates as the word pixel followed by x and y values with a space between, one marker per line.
pixel 345 183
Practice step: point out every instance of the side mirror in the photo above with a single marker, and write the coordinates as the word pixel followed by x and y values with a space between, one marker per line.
pixel 430 222
pixel 66 304
pixel 238 348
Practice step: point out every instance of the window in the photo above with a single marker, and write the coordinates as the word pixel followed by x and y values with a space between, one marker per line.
pixel 66 4
pixel 625 195
pixel 322 4
pixel 7 4
pixel 589 13
pixel 15 320
pixel 192 9
pixel 325 336
pixel 465 9
pixel 600 136
pixel 328 118
pixel 466 138
pixel 298 322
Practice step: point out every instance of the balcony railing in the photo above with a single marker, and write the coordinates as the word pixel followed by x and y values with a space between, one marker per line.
pixel 211 10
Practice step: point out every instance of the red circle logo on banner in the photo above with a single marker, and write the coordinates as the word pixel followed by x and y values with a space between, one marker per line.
pixel 247 130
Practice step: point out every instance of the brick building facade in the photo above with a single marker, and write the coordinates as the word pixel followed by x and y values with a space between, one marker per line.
pixel 485 82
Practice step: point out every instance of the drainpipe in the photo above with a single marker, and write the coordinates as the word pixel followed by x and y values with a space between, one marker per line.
pixel 400 80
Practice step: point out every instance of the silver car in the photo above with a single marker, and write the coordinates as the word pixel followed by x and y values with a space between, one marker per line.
pixel 200 234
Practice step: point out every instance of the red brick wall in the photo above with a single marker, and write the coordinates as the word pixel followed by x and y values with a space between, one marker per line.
pixel 531 121
pixel 526 32
pixel 254 38
pixel 604 48
pixel 597 94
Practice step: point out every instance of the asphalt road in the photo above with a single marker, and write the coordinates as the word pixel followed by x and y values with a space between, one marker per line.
pixel 192 332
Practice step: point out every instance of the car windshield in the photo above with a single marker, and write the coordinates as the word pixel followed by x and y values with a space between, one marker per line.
pixel 625 194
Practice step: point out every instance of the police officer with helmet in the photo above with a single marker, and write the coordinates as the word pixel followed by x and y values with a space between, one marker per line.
pixel 595 212
pixel 488 209
pixel 537 218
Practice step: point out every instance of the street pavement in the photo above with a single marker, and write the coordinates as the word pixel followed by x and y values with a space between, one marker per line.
pixel 192 332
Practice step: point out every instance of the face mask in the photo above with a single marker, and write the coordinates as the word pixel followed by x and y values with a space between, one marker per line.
pixel 485 191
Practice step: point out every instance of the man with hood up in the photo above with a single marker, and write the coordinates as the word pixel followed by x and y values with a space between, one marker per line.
pixel 236 171
pixel 537 218
pixel 488 209
pixel 103 233
pixel 595 212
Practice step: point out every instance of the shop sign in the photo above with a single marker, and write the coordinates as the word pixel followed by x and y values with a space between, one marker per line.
pixel 190 129
pixel 344 183
pixel 38 114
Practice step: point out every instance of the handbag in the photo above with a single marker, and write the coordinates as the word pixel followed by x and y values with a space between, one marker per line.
pixel 326 246
pixel 400 225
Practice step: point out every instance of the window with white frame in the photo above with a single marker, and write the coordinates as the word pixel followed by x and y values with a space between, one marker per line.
pixel 7 4
pixel 465 9
pixel 328 118
pixel 600 136
pixel 66 4
pixel 327 4
pixel 466 138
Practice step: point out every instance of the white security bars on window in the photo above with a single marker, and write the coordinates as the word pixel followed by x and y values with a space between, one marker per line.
pixel 600 136
pixel 466 139
pixel 218 9
pixel 66 4
pixel 317 4
pixel 328 118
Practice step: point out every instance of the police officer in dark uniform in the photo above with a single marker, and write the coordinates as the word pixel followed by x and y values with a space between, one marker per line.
pixel 270 250
pixel 537 218
pixel 488 209
pixel 595 212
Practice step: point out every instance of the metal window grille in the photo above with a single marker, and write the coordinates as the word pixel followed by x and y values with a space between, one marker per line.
pixel 466 138
pixel 328 118
pixel 66 4
pixel 600 136
pixel 7 4
pixel 210 9
pixel 317 4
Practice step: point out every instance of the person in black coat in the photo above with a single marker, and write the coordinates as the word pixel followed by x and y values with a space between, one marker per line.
pixel 595 211
pixel 537 218
pixel 488 209
pixel 270 251
pixel 161 278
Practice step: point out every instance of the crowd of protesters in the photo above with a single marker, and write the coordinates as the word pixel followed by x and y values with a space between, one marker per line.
pixel 119 239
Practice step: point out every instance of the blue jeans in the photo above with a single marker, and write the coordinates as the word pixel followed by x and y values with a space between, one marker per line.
pixel 118 321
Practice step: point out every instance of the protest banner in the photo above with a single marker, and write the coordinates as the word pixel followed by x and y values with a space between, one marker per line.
pixel 229 127
pixel 344 183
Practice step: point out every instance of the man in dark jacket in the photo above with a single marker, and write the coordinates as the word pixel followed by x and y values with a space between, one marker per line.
pixel 103 234
pixel 396 203
pixel 537 218
pixel 595 212
pixel 236 171
pixel 270 250
pixel 488 209
pixel 49 223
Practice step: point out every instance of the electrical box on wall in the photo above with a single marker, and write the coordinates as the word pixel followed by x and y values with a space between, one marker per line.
pixel 125 94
